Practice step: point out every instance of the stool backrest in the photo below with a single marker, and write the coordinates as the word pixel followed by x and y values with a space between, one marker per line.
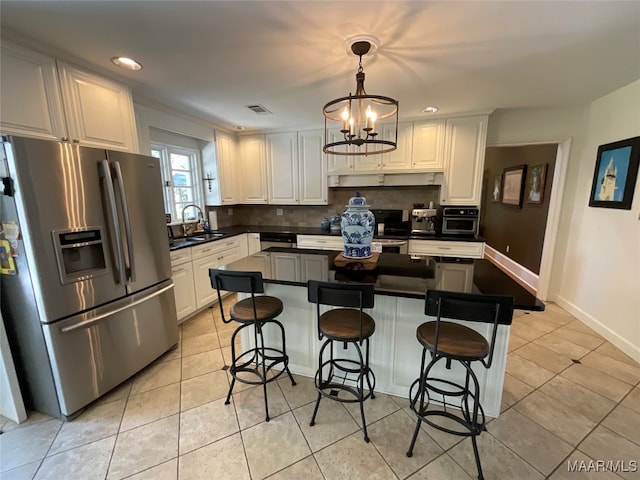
pixel 473 307
pixel 349 295
pixel 232 281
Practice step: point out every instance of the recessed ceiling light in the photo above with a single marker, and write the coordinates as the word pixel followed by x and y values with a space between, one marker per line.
pixel 430 109
pixel 127 63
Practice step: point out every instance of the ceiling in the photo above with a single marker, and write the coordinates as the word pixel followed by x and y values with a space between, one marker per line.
pixel 209 59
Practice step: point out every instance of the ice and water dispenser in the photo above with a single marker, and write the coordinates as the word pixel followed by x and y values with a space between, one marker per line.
pixel 81 254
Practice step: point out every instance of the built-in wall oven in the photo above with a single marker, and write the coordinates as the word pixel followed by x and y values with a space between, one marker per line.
pixel 459 220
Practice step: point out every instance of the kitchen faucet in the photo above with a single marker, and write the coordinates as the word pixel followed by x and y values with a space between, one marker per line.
pixel 200 216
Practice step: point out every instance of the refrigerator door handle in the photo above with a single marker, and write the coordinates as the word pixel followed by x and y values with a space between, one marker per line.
pixel 91 321
pixel 112 210
pixel 131 271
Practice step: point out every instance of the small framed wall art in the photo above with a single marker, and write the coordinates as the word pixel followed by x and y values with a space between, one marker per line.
pixel 536 177
pixel 513 185
pixel 614 178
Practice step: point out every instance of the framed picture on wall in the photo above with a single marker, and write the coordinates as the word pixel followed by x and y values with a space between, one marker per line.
pixel 615 175
pixel 513 185
pixel 536 177
pixel 496 191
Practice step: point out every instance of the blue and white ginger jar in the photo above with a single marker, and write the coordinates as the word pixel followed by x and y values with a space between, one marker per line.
pixel 357 228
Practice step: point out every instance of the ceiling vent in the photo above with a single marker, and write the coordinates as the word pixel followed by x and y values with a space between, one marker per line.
pixel 259 109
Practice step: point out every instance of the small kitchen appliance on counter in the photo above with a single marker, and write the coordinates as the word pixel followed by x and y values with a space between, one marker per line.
pixel 462 221
pixel 424 221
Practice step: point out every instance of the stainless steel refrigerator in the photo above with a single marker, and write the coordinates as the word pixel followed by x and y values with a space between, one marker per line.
pixel 91 302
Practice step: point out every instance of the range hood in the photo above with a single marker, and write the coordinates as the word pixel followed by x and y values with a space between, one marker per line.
pixel 385 179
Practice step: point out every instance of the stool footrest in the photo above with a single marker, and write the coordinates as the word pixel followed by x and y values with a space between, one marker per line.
pixel 272 358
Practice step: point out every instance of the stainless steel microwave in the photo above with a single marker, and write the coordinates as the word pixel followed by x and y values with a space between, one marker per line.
pixel 460 221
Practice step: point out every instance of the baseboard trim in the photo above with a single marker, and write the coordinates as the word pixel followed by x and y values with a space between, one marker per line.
pixel 522 275
pixel 622 343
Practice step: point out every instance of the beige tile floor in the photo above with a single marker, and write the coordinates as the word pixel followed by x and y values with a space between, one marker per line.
pixel 568 395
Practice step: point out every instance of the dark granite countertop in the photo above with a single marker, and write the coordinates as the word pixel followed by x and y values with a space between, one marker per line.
pixel 395 275
pixel 226 232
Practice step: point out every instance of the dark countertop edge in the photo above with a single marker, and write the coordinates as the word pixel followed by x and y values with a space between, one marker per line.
pixel 234 230
pixel 537 307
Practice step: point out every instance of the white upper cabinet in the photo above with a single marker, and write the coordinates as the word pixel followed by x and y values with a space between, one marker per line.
pixel 226 152
pixel 253 163
pixel 99 111
pixel 31 103
pixel 313 168
pixel 282 167
pixel 428 142
pixel 465 142
pixel 62 102
pixel 339 163
pixel 219 171
pixel 400 158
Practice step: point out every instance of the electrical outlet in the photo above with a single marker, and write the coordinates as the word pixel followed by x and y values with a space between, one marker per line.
pixel 279 212
pixel 230 211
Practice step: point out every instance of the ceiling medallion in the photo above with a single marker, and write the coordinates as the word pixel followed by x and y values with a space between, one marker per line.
pixel 352 124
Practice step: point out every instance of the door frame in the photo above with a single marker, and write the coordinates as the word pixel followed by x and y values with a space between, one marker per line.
pixel 542 281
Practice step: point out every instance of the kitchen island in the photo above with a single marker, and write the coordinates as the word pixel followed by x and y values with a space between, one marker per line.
pixel 400 283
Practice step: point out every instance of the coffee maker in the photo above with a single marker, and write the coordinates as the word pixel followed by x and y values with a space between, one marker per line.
pixel 423 220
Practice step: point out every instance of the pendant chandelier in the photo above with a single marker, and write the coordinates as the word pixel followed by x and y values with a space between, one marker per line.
pixel 353 125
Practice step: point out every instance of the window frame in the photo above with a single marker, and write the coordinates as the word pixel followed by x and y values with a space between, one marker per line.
pixel 167 179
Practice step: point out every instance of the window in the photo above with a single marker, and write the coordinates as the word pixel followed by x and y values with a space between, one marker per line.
pixel 181 179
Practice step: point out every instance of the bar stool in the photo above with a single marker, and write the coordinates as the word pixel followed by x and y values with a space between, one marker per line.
pixel 348 325
pixel 448 342
pixel 256 311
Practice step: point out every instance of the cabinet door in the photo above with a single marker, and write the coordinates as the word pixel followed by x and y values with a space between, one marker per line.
pixel 99 111
pixel 282 163
pixel 205 295
pixel 285 266
pixel 253 163
pixel 455 277
pixel 183 290
pixel 400 158
pixel 313 168
pixel 253 242
pixel 30 99
pixel 428 141
pixel 227 173
pixel 339 163
pixel 464 160
pixel 314 267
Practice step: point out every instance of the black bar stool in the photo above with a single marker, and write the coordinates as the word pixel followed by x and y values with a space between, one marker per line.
pixel 447 342
pixel 256 311
pixel 348 325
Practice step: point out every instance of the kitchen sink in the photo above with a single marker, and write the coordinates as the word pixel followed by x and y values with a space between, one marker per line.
pixel 178 242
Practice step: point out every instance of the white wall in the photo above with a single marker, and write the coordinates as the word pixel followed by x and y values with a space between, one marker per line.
pixel 600 278
pixel 596 272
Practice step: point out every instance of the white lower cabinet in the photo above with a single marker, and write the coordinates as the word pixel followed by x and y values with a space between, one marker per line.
pixel 443 248
pixel 182 274
pixel 455 277
pixel 253 243
pixel 190 272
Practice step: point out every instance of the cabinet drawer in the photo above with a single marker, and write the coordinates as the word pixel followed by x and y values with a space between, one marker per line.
pixel 211 248
pixel 446 248
pixel 320 242
pixel 178 257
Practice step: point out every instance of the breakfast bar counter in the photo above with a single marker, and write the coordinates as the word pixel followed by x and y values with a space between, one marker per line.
pixel 400 282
